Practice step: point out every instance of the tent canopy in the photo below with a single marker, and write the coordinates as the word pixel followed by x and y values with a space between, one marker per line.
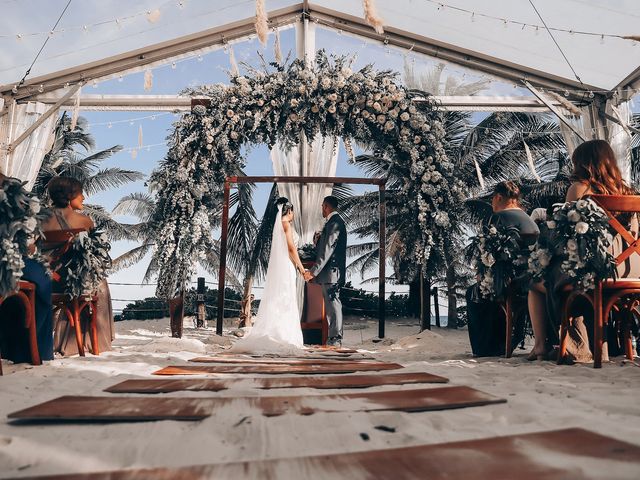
pixel 500 37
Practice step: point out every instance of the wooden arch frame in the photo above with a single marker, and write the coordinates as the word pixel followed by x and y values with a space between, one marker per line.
pixel 291 179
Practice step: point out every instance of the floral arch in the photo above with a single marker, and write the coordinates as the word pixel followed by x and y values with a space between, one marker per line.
pixel 367 106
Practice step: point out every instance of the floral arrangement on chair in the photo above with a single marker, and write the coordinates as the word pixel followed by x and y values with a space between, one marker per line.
pixel 577 236
pixel 497 255
pixel 21 217
pixel 86 263
pixel 307 252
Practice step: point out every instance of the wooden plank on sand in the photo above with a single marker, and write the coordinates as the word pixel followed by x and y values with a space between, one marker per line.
pixel 278 369
pixel 276 361
pixel 115 409
pixel 562 454
pixel 162 385
pixel 118 409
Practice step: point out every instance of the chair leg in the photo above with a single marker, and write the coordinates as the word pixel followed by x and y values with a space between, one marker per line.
pixel 75 316
pixel 508 316
pixel 626 329
pixel 564 330
pixel 325 325
pixel 597 326
pixel 31 326
pixel 1 363
pixel 94 328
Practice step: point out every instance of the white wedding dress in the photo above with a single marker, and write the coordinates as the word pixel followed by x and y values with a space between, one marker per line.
pixel 276 328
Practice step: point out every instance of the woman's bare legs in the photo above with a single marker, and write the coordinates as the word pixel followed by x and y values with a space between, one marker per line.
pixel 537 311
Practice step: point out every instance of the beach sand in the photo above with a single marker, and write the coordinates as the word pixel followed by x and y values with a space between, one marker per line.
pixel 540 396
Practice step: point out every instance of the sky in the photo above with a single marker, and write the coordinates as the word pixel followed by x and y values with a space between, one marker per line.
pixel 134 29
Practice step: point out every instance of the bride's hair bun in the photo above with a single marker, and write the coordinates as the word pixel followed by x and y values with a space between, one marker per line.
pixel 287 206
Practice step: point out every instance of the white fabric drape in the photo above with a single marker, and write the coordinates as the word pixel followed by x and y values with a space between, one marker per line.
pixel 318 159
pixel 25 161
pixel 591 128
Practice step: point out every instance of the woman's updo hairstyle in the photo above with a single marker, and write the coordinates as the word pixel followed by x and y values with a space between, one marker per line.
pixel 287 206
pixel 507 189
pixel 62 190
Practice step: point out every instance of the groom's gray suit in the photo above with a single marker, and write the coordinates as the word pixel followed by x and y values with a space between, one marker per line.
pixel 329 270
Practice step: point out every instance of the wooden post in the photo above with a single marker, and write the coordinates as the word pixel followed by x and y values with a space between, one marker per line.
pixel 382 260
pixel 201 311
pixel 436 306
pixel 223 257
pixel 425 303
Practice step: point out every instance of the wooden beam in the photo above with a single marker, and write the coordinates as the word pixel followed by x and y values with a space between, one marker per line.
pixel 555 110
pixel 303 180
pixel 223 258
pixel 41 120
pixel 382 258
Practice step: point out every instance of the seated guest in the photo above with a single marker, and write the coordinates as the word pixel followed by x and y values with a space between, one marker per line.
pixel 486 331
pixel 595 171
pixel 34 272
pixel 67 202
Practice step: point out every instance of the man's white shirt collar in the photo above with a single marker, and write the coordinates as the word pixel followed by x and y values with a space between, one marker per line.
pixel 329 216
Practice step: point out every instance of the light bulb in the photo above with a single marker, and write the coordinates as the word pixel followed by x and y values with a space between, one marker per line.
pixel 131 123
pixel 153 117
pixel 537 32
pixel 601 39
pixel 591 95
pixel 473 16
pixel 173 65
pixel 199 58
pixel 41 88
pixel 19 36
pixel 110 125
pixel 120 78
pixel 15 89
pixel 566 93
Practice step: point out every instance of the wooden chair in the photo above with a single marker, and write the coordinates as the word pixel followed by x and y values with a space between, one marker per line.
pixel 26 294
pixel 507 305
pixel 56 244
pixel 620 296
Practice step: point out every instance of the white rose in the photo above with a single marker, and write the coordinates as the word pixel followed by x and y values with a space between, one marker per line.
pixel 332 109
pixel 31 224
pixel 573 216
pixel 34 205
pixel 572 244
pixel 404 116
pixel 582 228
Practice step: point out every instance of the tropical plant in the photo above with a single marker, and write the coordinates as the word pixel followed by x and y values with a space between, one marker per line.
pixel 70 156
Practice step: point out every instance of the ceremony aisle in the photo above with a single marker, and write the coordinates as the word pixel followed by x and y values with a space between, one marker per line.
pixel 540 397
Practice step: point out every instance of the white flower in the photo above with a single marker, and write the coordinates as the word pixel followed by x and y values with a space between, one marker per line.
pixel 404 116
pixel 302 89
pixel 294 102
pixel 572 245
pixel 230 113
pixel 389 126
pixel 315 109
pixel 34 205
pixel 332 109
pixel 325 82
pixel 551 224
pixel 332 97
pixel 582 227
pixel 381 119
pixel 573 216
pixel 30 224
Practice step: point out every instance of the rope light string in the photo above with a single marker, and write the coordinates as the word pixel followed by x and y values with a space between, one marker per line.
pixel 506 21
pixel 153 15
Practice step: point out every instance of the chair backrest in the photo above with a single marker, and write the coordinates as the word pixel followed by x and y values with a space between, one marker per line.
pixel 614 206
pixel 55 243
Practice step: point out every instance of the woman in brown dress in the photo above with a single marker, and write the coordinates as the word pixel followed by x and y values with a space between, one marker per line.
pixel 67 199
pixel 595 171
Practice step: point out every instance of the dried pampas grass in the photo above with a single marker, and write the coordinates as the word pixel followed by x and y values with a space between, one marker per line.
pixel 262 26
pixel 371 16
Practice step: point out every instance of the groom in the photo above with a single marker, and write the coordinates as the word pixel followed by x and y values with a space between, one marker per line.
pixel 330 265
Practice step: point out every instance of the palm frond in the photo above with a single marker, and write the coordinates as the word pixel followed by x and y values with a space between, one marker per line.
pixel 110 178
pixel 130 257
pixel 138 204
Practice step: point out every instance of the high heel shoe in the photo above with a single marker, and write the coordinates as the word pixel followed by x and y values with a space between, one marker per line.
pixel 534 356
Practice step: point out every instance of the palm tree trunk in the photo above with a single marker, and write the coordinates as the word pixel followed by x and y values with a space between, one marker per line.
pixel 414 298
pixel 245 306
pixel 452 299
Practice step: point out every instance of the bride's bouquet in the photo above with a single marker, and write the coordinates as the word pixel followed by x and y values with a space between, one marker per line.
pixel 307 252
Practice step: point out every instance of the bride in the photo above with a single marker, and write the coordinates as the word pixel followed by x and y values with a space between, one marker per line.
pixel 277 326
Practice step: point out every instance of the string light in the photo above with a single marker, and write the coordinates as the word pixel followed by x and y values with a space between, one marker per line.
pixel 505 21
pixel 173 65
pixel 41 88
pixel 15 89
pixel 120 78
pixel 199 58
pixel 591 95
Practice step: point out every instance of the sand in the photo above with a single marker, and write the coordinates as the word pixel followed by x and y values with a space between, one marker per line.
pixel 541 396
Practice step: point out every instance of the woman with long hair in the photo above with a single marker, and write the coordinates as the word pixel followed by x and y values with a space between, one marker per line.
pixel 595 171
pixel 67 199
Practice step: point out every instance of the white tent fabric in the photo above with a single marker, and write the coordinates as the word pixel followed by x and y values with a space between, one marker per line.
pixel 600 62
pixel 319 159
pixel 24 162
